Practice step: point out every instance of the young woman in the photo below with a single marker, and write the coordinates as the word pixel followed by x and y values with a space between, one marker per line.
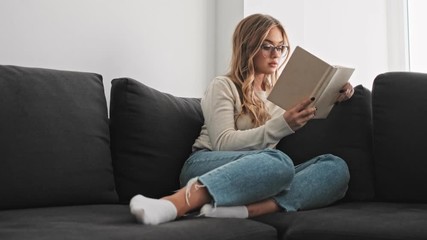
pixel 235 170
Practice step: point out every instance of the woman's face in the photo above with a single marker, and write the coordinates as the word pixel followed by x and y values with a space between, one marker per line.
pixel 268 57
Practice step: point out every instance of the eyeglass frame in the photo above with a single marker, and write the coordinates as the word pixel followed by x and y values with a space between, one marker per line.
pixel 283 50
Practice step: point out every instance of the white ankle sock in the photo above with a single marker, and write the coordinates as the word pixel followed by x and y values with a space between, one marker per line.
pixel 224 212
pixel 151 211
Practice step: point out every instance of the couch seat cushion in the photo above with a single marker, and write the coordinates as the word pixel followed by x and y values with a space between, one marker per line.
pixel 353 221
pixel 115 222
pixel 54 139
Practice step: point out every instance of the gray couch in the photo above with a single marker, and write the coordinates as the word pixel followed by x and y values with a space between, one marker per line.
pixel 68 169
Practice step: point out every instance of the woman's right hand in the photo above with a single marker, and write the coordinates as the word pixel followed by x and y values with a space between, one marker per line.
pixel 300 114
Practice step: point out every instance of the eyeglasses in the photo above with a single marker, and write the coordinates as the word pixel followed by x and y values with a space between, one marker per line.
pixel 268 49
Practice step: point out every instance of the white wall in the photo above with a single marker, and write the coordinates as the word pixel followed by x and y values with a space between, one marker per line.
pixel 228 14
pixel 179 46
pixel 165 44
pixel 342 32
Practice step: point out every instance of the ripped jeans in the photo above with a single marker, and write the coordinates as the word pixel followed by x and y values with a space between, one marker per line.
pixel 244 177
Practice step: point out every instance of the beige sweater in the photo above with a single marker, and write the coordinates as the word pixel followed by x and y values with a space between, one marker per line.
pixel 220 131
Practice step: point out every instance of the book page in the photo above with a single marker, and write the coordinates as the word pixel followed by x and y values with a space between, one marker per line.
pixel 327 100
pixel 301 76
pixel 306 76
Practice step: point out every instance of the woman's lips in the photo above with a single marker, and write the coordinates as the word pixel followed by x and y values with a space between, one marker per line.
pixel 273 64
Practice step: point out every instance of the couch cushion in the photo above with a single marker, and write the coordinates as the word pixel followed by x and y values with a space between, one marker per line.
pixel 347 132
pixel 400 118
pixel 152 134
pixel 353 221
pixel 54 140
pixel 115 222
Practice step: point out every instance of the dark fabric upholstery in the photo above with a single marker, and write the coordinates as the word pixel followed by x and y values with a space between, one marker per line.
pixel 400 117
pixel 54 142
pixel 151 135
pixel 347 133
pixel 353 221
pixel 115 222
pixel 54 139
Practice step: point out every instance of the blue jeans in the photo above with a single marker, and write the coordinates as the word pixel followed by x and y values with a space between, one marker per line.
pixel 244 177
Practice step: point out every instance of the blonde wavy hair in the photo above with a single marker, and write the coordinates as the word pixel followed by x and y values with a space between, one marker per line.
pixel 248 37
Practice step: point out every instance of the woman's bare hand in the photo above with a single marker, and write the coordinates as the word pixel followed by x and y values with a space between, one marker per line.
pixel 345 93
pixel 300 114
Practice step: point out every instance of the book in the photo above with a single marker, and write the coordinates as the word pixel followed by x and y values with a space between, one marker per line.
pixel 306 76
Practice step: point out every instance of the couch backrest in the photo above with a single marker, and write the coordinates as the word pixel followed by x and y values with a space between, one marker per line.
pixel 399 104
pixel 152 134
pixel 347 133
pixel 54 139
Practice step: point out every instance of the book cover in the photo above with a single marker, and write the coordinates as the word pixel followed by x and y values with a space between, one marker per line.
pixel 306 76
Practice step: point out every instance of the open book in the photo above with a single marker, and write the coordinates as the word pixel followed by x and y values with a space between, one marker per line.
pixel 306 76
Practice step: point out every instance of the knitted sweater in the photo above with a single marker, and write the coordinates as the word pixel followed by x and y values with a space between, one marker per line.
pixel 220 105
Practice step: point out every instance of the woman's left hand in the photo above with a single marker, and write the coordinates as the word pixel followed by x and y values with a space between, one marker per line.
pixel 345 93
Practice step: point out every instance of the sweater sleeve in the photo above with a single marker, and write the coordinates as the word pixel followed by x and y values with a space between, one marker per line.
pixel 220 106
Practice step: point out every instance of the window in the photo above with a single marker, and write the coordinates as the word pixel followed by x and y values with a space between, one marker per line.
pixel 417 36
